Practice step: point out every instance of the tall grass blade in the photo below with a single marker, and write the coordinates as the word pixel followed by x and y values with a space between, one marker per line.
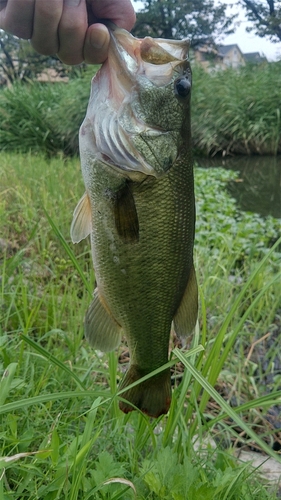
pixel 6 381
pixel 224 405
pixel 274 398
pixel 69 253
pixel 215 353
pixel 179 395
pixel 49 357
pixel 170 363
pixel 55 396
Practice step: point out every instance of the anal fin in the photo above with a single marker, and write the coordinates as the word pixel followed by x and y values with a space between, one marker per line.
pixel 82 220
pixel 101 329
pixel 186 315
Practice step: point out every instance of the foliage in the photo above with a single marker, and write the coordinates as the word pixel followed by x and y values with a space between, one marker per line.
pixel 226 116
pixel 62 435
pixel 237 229
pixel 199 20
pixel 26 118
pixel 44 117
pixel 171 480
pixel 71 108
pixel 20 62
pixel 257 189
pixel 237 111
pixel 266 18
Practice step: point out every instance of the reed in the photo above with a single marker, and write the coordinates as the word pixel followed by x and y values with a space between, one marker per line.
pixel 63 436
pixel 233 112
pixel 237 111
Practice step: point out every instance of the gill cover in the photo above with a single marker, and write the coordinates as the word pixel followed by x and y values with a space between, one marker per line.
pixel 115 130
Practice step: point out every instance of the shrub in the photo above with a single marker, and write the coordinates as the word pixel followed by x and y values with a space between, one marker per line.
pixel 233 111
pixel 237 111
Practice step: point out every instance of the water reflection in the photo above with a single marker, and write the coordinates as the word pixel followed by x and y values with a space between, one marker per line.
pixel 258 188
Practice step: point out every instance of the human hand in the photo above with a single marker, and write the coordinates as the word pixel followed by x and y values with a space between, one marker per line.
pixel 68 28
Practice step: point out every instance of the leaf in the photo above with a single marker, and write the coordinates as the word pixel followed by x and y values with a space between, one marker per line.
pixel 121 481
pixel 4 461
pixel 224 405
pixel 55 443
pixel 6 381
pixel 105 468
pixel 50 358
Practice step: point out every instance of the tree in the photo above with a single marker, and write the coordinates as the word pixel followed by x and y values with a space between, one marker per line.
pixel 199 20
pixel 266 16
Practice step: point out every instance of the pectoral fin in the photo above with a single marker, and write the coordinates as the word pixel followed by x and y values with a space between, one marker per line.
pixel 125 213
pixel 82 220
pixel 186 315
pixel 101 329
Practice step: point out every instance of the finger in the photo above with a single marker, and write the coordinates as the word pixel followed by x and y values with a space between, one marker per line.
pixel 16 17
pixel 120 12
pixel 47 16
pixel 72 29
pixel 96 44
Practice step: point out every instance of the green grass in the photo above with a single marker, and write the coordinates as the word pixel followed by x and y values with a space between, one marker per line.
pixel 44 118
pixel 62 435
pixel 233 111
pixel 237 111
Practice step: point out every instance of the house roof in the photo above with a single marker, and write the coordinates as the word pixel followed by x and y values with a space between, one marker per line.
pixel 254 57
pixel 224 49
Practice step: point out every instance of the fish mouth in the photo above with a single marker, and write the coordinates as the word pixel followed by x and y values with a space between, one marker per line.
pixel 156 59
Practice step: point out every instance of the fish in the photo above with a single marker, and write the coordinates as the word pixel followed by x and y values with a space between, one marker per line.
pixel 139 209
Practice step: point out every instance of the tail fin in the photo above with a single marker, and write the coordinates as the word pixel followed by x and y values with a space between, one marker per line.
pixel 152 397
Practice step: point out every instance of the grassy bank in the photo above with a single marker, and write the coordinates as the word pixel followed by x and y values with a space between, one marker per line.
pixel 62 435
pixel 232 112
pixel 238 111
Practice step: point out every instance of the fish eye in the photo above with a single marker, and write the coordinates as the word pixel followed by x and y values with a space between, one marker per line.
pixel 182 87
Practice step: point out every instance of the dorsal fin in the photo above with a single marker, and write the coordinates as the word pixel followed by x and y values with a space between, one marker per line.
pixel 81 225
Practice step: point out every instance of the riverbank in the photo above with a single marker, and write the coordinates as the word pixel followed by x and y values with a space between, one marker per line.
pixel 257 188
pixel 233 112
pixel 237 111
pixel 58 397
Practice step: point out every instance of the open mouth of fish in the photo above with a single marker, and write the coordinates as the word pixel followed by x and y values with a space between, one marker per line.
pixel 114 113
pixel 156 59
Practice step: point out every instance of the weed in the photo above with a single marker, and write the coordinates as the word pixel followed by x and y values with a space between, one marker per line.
pixel 226 116
pixel 62 435
pixel 237 111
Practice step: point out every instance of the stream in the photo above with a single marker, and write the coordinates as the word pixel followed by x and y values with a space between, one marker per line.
pixel 258 187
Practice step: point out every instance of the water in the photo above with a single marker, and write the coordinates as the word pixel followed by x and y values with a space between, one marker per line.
pixel 258 188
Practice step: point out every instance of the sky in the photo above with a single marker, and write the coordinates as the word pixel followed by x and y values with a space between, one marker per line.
pixel 247 42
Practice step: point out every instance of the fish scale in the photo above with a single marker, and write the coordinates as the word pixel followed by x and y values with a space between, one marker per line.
pixel 141 218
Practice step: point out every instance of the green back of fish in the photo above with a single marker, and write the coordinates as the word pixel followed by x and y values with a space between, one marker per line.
pixel 142 217
pixel 142 243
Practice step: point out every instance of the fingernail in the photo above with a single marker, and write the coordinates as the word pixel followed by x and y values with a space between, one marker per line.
pixel 98 39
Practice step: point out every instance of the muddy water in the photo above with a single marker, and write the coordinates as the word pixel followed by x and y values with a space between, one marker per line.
pixel 258 188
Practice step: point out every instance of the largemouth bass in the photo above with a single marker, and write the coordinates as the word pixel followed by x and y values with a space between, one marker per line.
pixel 138 208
